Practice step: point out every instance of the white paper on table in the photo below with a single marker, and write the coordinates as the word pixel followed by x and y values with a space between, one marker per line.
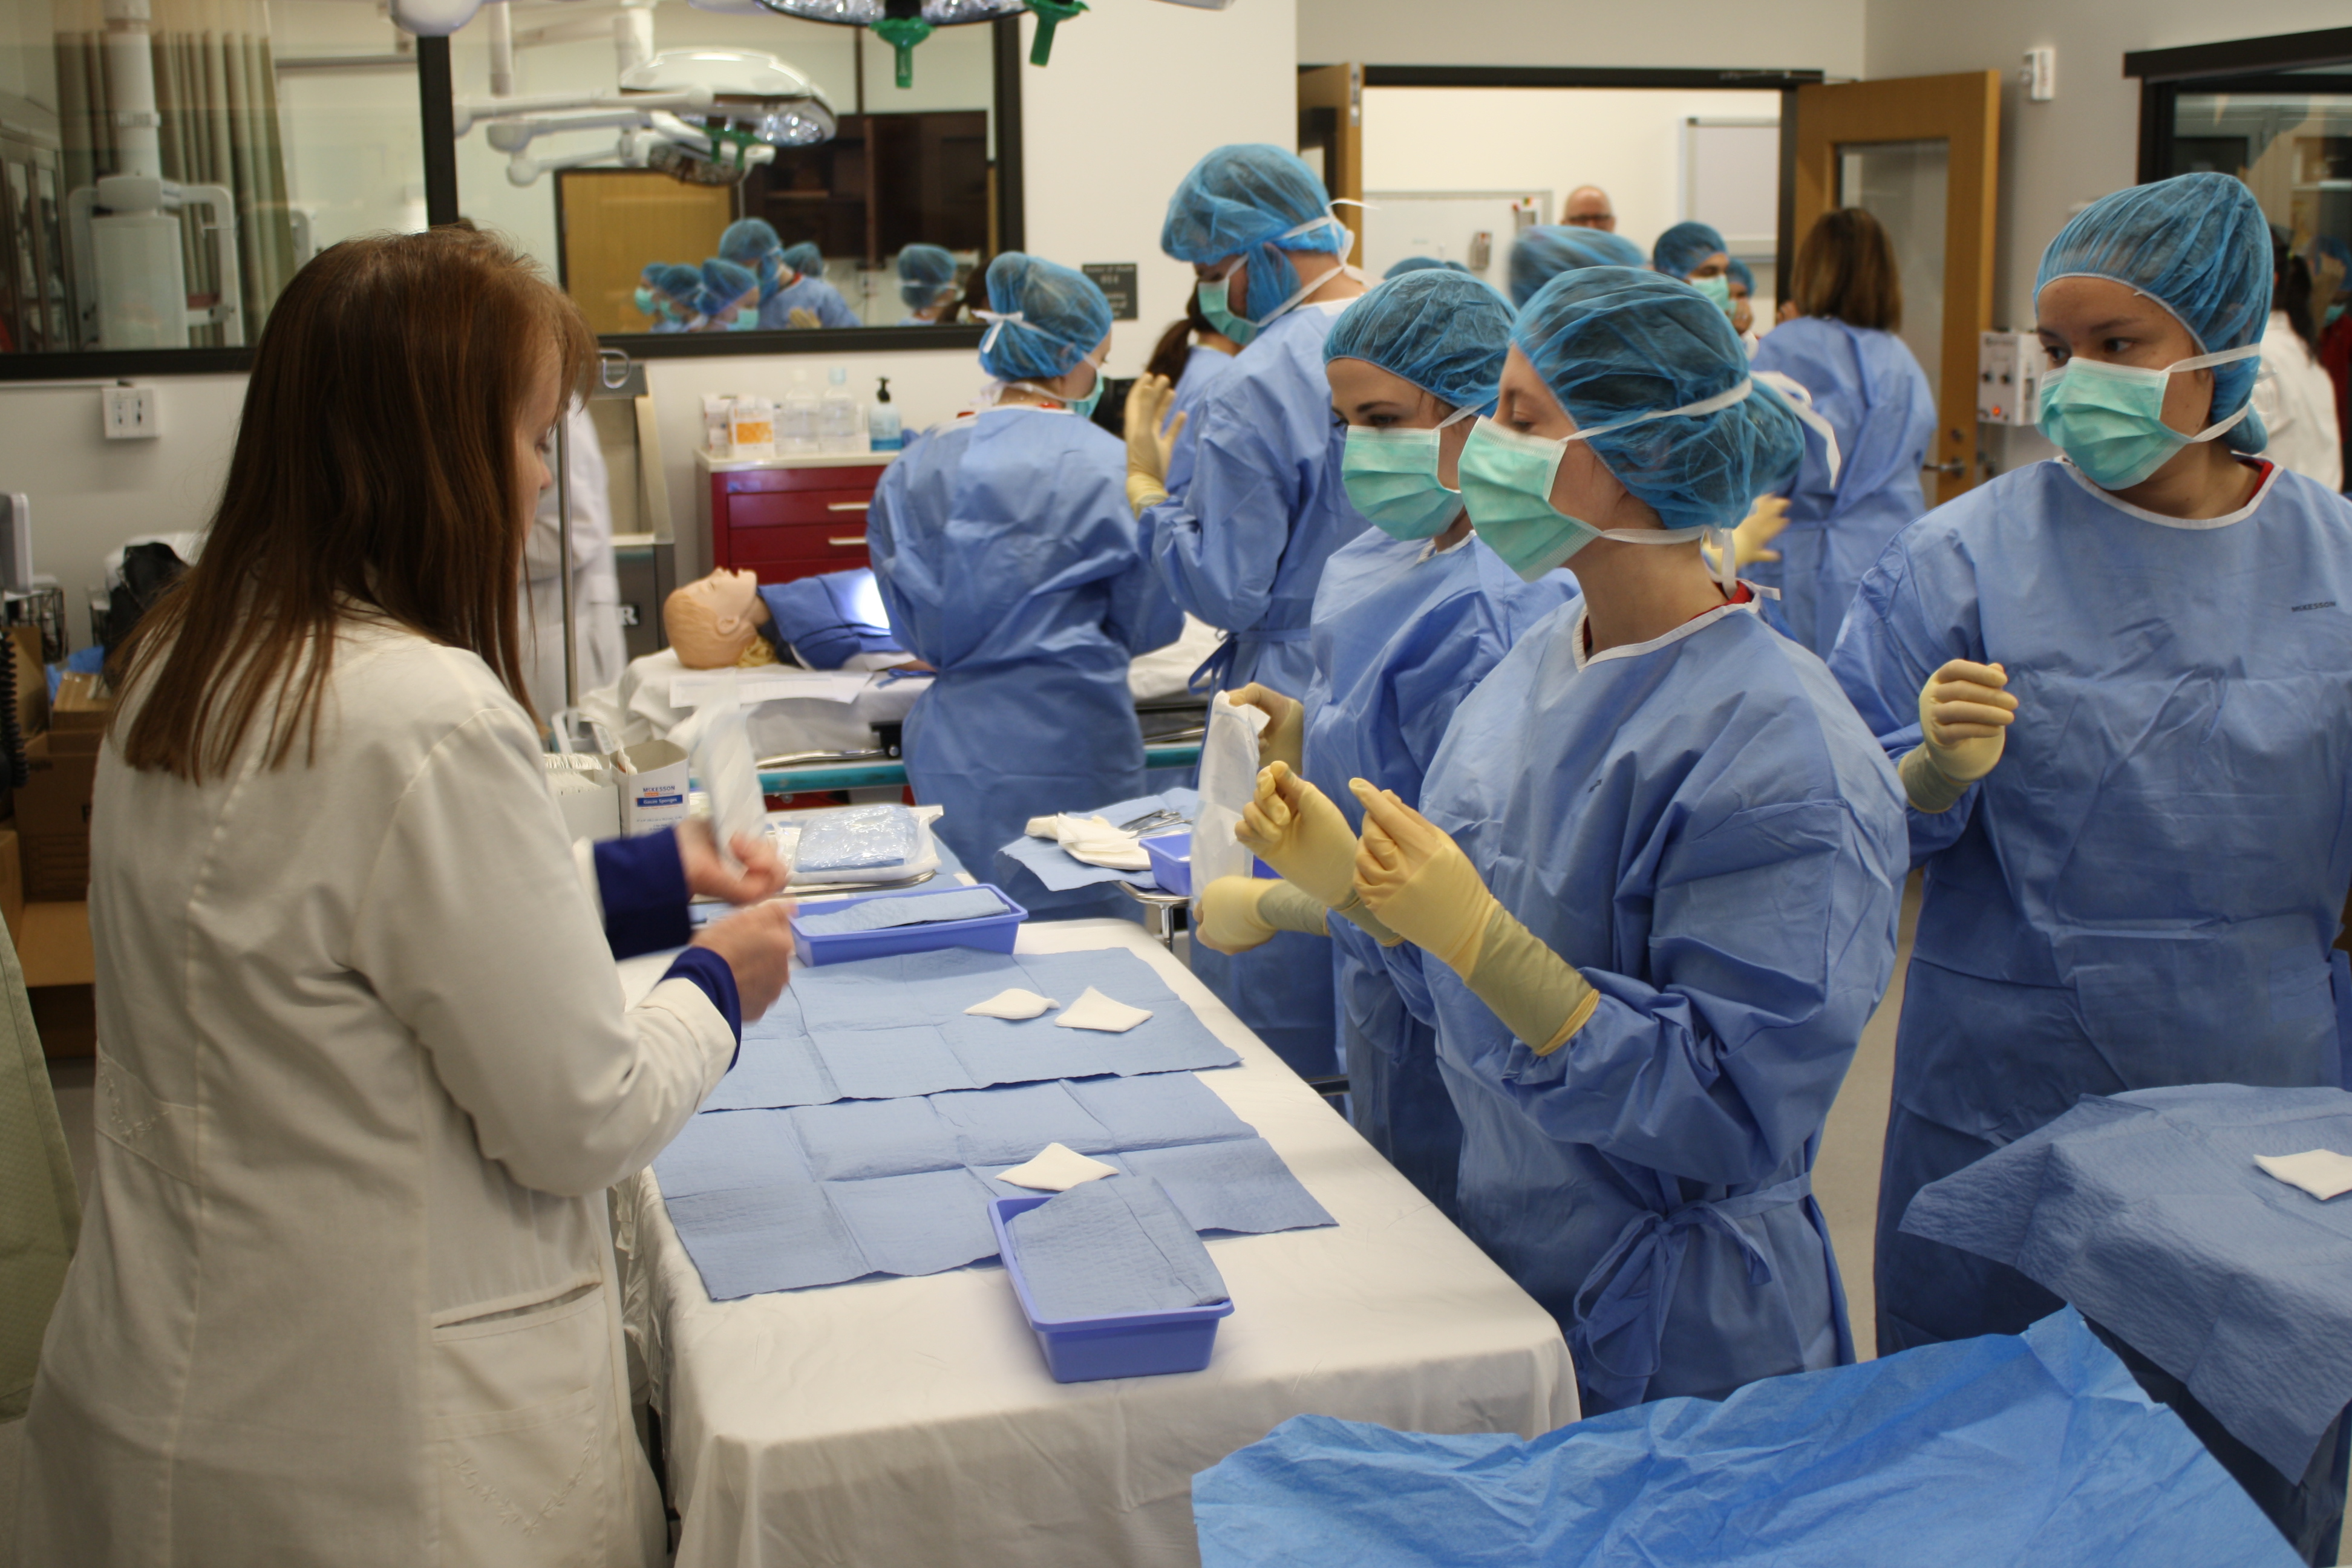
pixel 766 684
pixel 1057 1168
pixel 1016 1004
pixel 2322 1172
pixel 1093 1010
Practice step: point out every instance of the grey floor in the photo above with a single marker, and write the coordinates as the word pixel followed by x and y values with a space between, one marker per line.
pixel 1845 1176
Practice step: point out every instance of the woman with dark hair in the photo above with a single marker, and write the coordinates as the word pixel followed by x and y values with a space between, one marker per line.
pixel 1838 341
pixel 2295 397
pixel 345 1292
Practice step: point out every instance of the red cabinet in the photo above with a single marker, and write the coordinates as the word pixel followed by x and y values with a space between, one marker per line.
pixel 790 517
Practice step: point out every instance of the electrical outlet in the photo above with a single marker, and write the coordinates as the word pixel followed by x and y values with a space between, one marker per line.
pixel 128 412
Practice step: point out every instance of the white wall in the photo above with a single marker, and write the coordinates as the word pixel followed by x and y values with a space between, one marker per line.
pixel 1135 94
pixel 1817 34
pixel 1626 142
pixel 2056 156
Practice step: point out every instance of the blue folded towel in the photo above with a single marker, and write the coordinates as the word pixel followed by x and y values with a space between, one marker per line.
pixel 912 910
pixel 1114 1245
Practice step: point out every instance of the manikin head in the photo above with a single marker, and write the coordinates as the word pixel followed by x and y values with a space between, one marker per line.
pixel 712 621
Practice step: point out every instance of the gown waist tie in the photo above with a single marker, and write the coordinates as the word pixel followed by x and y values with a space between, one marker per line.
pixel 1622 1306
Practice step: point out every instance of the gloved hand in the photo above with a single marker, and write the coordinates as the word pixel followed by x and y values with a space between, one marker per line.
pixel 1294 828
pixel 1238 913
pixel 1964 718
pixel 1283 740
pixel 1750 542
pixel 1418 881
pixel 801 316
pixel 1147 445
pixel 1765 522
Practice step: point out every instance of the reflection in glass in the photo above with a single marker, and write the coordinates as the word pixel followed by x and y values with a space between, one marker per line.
pixel 2293 149
pixel 1902 186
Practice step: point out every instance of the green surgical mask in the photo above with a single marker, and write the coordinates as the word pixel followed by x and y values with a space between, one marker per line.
pixel 1391 477
pixel 2109 418
pixel 643 299
pixel 1218 309
pixel 1718 289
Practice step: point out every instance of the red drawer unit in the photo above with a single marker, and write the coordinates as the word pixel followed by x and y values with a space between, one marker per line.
pixel 788 518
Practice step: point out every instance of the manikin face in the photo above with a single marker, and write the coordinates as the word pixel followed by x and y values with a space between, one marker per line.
pixel 728 595
pixel 710 622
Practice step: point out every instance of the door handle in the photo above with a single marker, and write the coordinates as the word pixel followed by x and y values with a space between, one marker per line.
pixel 846 542
pixel 846 505
pixel 1951 470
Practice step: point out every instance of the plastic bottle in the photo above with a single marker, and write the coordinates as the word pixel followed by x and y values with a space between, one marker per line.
pixel 841 425
pixel 797 417
pixel 883 433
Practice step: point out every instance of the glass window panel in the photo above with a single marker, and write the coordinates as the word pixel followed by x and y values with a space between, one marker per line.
pixel 904 164
pixel 2293 149
pixel 1902 186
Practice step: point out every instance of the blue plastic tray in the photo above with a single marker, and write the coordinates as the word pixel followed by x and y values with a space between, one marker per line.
pixel 1171 862
pixel 990 934
pixel 1131 1345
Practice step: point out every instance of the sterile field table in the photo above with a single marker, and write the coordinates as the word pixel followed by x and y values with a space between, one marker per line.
pixel 910 1421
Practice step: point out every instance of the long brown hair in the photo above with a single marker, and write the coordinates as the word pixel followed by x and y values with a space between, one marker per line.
pixel 1846 269
pixel 374 464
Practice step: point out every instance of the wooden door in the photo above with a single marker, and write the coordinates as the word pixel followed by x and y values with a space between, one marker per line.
pixel 615 222
pixel 1331 117
pixel 1887 146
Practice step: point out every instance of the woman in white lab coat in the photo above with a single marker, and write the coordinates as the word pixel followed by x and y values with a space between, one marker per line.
pixel 344 1293
pixel 595 580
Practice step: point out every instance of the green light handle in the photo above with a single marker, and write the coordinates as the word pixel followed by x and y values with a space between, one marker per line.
pixel 902 34
pixel 1050 13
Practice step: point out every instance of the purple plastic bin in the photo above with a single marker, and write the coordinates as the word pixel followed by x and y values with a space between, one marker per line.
pixel 990 934
pixel 1171 862
pixel 1130 1345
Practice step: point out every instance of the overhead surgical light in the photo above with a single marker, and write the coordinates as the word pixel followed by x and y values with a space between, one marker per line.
pixel 903 24
pixel 754 96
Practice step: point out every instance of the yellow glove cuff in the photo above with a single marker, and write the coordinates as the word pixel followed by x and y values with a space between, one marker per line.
pixel 1930 789
pixel 1144 490
pixel 1535 993
pixel 1360 913
pixel 1287 908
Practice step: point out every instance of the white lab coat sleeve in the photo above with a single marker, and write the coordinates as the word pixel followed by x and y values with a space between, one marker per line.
pixel 473 931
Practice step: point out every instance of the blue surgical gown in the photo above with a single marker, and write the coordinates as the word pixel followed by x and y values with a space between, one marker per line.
pixel 1401 633
pixel 1702 827
pixel 1255 507
pixel 1258 507
pixel 1877 399
pixel 1202 365
pixel 2142 892
pixel 808 294
pixel 1009 563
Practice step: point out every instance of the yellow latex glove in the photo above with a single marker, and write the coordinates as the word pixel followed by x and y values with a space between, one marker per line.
pixel 1765 522
pixel 1284 739
pixel 1294 828
pixel 1965 712
pixel 1238 913
pixel 801 316
pixel 1417 880
pixel 1147 445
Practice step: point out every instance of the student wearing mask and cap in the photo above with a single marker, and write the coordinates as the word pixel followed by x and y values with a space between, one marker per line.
pixel 1656 870
pixel 728 299
pixel 1243 502
pixel 1411 613
pixel 1542 254
pixel 2116 685
pixel 1009 563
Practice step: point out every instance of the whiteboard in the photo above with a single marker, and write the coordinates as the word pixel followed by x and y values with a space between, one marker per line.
pixel 1444 225
pixel 1731 178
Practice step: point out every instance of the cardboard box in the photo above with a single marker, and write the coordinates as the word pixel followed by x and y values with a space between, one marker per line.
pixel 53 821
pixel 12 887
pixel 77 719
pixel 59 967
pixel 32 680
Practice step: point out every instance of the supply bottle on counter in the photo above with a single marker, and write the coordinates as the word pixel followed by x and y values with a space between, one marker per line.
pixel 796 419
pixel 883 433
pixel 841 425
